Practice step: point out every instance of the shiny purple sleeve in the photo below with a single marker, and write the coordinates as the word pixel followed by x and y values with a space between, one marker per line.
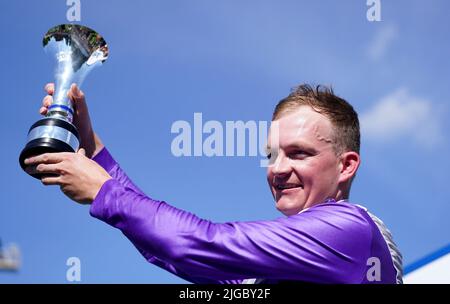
pixel 330 242
pixel 104 159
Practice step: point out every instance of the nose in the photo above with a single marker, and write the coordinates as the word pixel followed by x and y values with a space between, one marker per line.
pixel 282 166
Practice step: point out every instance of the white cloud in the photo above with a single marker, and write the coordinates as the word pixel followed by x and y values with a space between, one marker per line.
pixel 381 42
pixel 402 115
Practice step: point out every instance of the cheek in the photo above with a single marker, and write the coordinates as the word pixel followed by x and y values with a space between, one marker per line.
pixel 304 171
pixel 316 172
pixel 326 174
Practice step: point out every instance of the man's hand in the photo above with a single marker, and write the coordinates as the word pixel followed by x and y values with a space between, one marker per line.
pixel 78 177
pixel 89 141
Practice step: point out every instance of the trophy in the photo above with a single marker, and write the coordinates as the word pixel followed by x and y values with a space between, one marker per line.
pixel 77 50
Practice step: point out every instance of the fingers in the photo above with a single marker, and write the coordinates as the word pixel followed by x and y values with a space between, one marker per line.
pixel 46 102
pixel 46 158
pixel 51 180
pixel 50 88
pixel 47 169
pixel 43 110
pixel 75 94
pixel 82 151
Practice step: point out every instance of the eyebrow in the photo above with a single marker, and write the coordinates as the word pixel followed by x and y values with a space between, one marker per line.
pixel 296 145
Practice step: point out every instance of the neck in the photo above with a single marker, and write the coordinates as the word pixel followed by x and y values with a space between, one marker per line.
pixel 342 194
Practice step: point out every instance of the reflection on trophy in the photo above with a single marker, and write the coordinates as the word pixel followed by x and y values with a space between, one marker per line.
pixel 77 50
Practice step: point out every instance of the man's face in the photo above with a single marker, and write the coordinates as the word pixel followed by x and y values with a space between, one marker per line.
pixel 304 170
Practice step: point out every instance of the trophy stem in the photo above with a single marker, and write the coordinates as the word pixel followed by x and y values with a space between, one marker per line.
pixel 61 106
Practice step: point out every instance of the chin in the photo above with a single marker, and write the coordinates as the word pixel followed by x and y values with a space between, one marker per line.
pixel 288 208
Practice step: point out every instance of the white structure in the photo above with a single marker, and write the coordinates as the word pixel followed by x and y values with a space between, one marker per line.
pixel 432 269
pixel 10 258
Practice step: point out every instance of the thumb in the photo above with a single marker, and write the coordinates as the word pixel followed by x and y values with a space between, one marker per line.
pixel 82 151
pixel 75 94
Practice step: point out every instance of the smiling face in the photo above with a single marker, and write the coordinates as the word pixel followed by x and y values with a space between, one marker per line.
pixel 305 169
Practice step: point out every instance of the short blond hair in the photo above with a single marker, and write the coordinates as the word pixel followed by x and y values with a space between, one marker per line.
pixel 346 133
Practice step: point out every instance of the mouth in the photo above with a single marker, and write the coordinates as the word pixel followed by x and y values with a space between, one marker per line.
pixel 287 187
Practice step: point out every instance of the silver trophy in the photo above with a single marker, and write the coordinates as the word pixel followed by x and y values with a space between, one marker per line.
pixel 77 50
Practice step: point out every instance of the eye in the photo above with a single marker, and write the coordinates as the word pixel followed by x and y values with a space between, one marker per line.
pixel 272 155
pixel 270 152
pixel 299 154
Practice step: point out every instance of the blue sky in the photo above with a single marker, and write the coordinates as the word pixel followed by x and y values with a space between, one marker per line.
pixel 229 60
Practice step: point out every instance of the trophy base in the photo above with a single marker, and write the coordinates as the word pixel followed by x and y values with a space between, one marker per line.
pixel 49 135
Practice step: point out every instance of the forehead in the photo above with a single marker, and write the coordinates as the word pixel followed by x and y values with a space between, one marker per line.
pixel 302 126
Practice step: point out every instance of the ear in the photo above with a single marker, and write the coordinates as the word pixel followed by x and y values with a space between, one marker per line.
pixel 349 165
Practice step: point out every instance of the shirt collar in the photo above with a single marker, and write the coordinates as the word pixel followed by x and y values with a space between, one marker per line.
pixel 327 201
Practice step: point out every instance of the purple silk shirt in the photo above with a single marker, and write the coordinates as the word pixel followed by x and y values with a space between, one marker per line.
pixel 328 243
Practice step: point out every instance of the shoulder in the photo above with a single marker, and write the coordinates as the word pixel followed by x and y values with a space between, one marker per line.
pixel 340 225
pixel 344 214
pixel 340 234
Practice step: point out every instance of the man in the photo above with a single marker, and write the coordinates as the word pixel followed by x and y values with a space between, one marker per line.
pixel 314 157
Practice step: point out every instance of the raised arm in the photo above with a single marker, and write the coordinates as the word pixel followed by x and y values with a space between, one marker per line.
pixel 312 246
